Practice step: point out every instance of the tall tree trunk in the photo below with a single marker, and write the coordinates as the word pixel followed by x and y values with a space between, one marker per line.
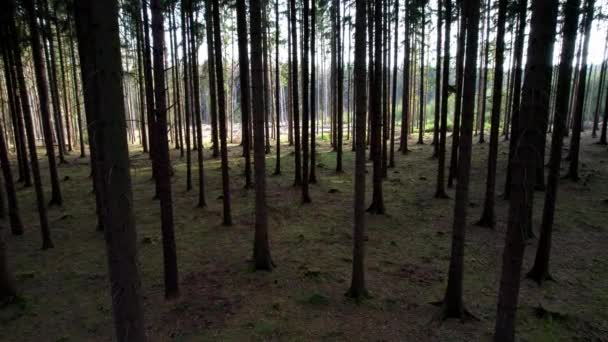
pixel 77 92
pixel 482 119
pixel 187 101
pixel 42 87
pixel 221 100
pixel 405 98
pixel 27 116
pixel 277 169
pixel 438 89
pixel 313 93
pixel 261 248
pixel 197 107
pixel 440 192
pixel 460 50
pixel 295 96
pixel 339 90
pixel 161 155
pixel 391 158
pixel 213 84
pixel 519 51
pixel 488 216
pixel 540 269
pixel 534 104
pixel 357 287
pixel 421 122
pixel 452 304
pixel 581 91
pixel 596 115
pixel 179 138
pixel 149 87
pixel 97 28
pixel 241 24
pixel 377 206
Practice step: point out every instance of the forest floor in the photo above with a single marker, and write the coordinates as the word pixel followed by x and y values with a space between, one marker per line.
pixel 65 291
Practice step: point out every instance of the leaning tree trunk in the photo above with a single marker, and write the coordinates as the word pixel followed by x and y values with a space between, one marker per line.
pixel 45 117
pixel 577 128
pixel 161 156
pixel 261 248
pixel 534 105
pixel 97 28
pixel 540 270
pixel 452 303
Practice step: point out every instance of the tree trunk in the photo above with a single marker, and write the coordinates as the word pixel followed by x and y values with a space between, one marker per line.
pixel 295 96
pixel 438 89
pixel 460 50
pixel 197 107
pixel 377 206
pixel 313 94
pixel 534 105
pixel 452 304
pixel 241 23
pixel 540 270
pixel 305 102
pixel 213 84
pixel 261 248
pixel 519 51
pixel 391 158
pixel 217 56
pixel 581 91
pixel 488 216
pixel 405 98
pixel 43 100
pixel 357 287
pixel 421 122
pixel 440 192
pixel 97 28
pixel 161 155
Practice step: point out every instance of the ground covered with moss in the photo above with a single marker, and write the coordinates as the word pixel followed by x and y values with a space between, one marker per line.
pixel 65 295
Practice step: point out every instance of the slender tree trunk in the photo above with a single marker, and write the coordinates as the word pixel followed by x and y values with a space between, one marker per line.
pixel 405 102
pixel 377 206
pixel 305 103
pixel 357 287
pixel 391 158
pixel 596 116
pixel 197 108
pixel 27 116
pixel 540 269
pixel 42 87
pixel 241 22
pixel 482 120
pixel 488 215
pixel 161 155
pixel 339 91
pixel 440 192
pixel 438 88
pixel 313 93
pixel 452 304
pixel 261 248
pixel 581 91
pixel 97 28
pixel 460 50
pixel 519 51
pixel 295 96
pixel 421 122
pixel 213 84
pixel 217 45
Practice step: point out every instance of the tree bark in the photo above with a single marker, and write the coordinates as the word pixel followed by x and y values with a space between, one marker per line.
pixel 534 105
pixel 99 47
